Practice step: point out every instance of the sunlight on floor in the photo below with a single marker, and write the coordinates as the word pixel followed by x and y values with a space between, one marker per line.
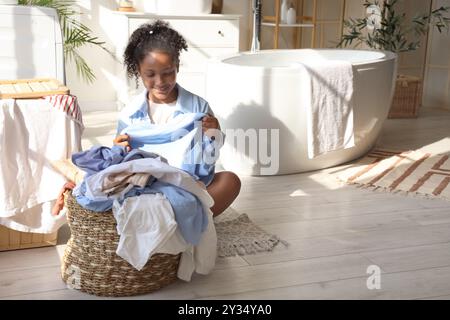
pixel 328 182
pixel 438 147
pixel 299 193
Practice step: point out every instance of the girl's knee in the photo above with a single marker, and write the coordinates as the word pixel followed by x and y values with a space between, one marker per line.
pixel 233 181
pixel 227 180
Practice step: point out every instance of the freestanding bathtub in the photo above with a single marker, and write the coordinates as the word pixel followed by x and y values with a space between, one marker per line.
pixel 256 97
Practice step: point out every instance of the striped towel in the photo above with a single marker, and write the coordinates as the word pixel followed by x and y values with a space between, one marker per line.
pixel 68 104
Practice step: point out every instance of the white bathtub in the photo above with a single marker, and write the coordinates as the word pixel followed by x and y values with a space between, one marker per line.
pixel 257 91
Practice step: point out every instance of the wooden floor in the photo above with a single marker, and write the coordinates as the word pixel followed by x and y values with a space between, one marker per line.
pixel 335 233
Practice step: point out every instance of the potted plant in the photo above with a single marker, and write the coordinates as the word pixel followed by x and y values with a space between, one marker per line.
pixel 384 28
pixel 75 34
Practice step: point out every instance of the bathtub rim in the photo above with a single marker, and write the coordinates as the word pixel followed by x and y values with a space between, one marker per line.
pixel 388 55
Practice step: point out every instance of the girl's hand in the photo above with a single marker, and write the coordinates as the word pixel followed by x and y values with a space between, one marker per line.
pixel 60 200
pixel 209 122
pixel 123 140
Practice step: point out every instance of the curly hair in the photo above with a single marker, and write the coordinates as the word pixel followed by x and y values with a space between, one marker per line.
pixel 156 36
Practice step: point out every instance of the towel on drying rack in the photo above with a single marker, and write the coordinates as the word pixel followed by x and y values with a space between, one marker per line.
pixel 34 133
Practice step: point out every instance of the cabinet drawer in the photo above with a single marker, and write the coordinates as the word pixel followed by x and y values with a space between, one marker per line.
pixel 201 33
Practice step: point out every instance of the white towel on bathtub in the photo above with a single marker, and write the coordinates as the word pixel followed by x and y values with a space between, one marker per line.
pixel 327 93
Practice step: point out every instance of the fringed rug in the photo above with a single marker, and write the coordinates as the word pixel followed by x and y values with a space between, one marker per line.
pixel 238 235
pixel 409 172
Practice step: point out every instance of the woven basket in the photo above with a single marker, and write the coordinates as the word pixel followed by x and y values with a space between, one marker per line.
pixel 90 263
pixel 407 97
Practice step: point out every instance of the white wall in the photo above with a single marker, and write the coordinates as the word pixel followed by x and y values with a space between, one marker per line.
pixel 437 70
pixel 241 7
pixel 101 94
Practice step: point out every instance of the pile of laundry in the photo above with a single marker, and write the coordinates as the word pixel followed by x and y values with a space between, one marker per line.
pixel 159 208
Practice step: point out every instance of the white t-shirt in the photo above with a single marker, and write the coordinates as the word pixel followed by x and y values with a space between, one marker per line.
pixel 161 113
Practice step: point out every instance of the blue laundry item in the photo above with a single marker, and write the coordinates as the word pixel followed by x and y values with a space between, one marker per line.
pixel 99 158
pixel 92 204
pixel 150 133
pixel 188 210
pixel 141 154
pixel 134 117
pixel 182 142
pixel 137 110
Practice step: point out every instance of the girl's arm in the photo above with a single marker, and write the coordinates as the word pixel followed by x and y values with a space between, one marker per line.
pixel 59 205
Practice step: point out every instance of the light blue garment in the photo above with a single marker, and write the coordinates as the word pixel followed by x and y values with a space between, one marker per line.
pixel 137 110
pixel 98 158
pixel 187 208
pixel 181 142
pixel 91 204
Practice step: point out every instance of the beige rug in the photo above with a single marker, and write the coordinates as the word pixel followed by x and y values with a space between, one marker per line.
pixel 238 235
pixel 408 172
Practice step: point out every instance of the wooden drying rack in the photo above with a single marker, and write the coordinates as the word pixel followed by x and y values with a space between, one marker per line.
pixel 31 88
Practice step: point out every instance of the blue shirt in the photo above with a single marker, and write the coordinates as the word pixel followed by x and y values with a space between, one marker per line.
pixel 135 114
pixel 137 110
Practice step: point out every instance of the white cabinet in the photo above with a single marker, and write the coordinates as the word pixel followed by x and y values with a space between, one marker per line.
pixel 207 36
pixel 31 44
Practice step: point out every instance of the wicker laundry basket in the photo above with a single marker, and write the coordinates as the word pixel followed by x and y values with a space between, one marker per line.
pixel 407 97
pixel 90 263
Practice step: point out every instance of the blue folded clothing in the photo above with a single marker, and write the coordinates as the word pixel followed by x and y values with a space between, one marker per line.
pixel 99 158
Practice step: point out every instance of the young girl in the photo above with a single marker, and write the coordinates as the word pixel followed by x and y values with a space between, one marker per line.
pixel 153 54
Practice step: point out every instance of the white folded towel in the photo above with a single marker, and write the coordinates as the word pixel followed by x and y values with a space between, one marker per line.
pixel 327 93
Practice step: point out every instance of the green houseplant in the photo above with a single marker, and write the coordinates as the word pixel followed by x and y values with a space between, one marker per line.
pixel 384 28
pixel 75 34
pixel 389 30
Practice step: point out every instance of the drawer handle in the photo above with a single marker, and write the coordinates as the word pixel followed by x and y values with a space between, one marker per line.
pixel 221 33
